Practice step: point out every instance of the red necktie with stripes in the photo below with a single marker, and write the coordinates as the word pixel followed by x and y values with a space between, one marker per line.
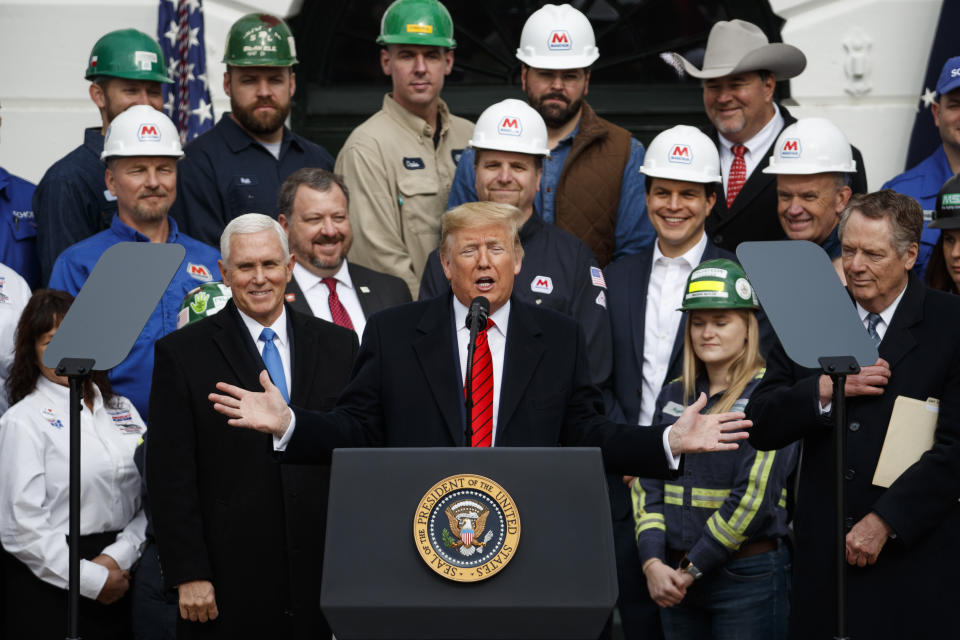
pixel 482 386
pixel 337 312
pixel 738 173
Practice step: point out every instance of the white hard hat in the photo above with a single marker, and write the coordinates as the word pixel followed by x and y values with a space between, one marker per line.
pixel 141 130
pixel 682 153
pixel 557 37
pixel 511 125
pixel 811 145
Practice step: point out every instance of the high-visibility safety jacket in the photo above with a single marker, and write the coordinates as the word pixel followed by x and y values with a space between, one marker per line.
pixel 722 500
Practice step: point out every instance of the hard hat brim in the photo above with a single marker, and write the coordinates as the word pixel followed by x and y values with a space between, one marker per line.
pixel 147 76
pixel 425 41
pixel 556 62
pixel 679 175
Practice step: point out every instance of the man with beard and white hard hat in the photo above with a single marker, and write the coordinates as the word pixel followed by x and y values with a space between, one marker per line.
pixel 314 207
pixel 682 169
pixel 237 167
pixel 740 71
pixel 591 184
pixel 813 163
pixel 125 67
pixel 141 150
pixel 558 271
pixel 399 163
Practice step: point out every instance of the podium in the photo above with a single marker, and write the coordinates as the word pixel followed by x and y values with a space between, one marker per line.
pixel 560 581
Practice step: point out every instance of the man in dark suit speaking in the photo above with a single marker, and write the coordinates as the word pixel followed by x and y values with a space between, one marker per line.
pixel 407 385
pixel 900 540
pixel 240 537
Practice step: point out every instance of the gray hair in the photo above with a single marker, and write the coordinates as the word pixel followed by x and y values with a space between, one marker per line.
pixel 903 213
pixel 252 223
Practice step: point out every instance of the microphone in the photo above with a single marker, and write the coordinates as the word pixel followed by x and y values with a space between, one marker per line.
pixel 476 317
pixel 479 311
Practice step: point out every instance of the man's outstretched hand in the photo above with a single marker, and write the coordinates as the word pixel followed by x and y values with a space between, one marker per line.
pixel 265 410
pixel 696 433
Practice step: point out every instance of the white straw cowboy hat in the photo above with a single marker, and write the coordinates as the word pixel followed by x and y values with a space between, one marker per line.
pixel 738 46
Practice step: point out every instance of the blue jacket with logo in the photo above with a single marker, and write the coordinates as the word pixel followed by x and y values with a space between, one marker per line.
pixel 71 202
pixel 226 173
pixel 132 377
pixel 18 229
pixel 722 499
pixel 922 183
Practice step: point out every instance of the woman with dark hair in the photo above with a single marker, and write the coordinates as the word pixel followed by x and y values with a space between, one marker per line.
pixel 943 270
pixel 712 542
pixel 34 490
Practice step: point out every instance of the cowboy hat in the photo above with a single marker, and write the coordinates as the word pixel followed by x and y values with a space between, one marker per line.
pixel 738 46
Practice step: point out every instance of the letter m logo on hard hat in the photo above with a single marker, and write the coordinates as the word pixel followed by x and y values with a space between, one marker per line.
pixel 148 132
pixel 559 40
pixel 791 148
pixel 680 154
pixel 510 126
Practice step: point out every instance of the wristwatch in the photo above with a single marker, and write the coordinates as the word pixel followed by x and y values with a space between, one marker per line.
pixel 689 567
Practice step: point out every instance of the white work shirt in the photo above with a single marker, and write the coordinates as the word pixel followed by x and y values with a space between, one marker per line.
pixel 756 147
pixel 496 339
pixel 14 295
pixel 668 278
pixel 281 341
pixel 34 483
pixel 318 295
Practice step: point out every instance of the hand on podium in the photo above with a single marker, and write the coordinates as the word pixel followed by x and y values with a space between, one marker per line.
pixel 265 410
pixel 694 432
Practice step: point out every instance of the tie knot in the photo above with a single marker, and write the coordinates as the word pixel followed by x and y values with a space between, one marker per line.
pixel 331 283
pixel 490 323
pixel 873 319
pixel 738 150
pixel 268 334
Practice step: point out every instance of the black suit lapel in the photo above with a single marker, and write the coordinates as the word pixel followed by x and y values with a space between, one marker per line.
pixel 637 292
pixel 899 338
pixel 237 347
pixel 298 302
pixel 367 295
pixel 302 340
pixel 521 358
pixel 433 348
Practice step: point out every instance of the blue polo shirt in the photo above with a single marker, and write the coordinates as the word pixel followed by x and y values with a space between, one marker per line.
pixel 226 173
pixel 633 230
pixel 923 183
pixel 18 229
pixel 132 377
pixel 71 202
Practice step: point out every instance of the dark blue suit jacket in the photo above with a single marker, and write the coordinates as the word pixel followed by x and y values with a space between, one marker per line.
pixel 627 281
pixel 405 392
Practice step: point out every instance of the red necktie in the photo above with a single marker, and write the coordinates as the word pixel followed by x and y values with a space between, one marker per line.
pixel 337 312
pixel 482 386
pixel 738 173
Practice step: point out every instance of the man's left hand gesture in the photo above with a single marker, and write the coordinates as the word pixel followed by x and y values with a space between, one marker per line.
pixel 866 539
pixel 696 433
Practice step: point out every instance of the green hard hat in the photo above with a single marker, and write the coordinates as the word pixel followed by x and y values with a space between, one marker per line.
pixel 205 300
pixel 130 54
pixel 718 284
pixel 260 40
pixel 423 22
pixel 947 212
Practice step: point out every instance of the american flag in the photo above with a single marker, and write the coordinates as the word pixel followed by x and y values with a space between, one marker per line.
pixel 187 100
pixel 597 277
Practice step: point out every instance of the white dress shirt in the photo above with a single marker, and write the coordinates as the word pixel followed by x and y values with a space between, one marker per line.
pixel 35 481
pixel 281 341
pixel 668 278
pixel 497 341
pixel 318 295
pixel 756 147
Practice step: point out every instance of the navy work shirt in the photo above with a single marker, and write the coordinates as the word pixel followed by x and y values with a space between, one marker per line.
pixel 18 229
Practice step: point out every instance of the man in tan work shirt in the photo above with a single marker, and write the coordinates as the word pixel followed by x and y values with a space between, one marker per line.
pixel 399 164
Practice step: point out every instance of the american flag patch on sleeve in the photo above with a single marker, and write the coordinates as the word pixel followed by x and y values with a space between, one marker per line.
pixel 596 276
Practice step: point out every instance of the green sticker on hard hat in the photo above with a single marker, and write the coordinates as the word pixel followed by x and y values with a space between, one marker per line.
pixel 950 200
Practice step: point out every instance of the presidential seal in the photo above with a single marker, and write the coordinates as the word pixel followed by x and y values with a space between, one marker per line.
pixel 466 528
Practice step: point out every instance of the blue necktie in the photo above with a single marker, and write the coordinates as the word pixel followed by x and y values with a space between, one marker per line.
pixel 271 358
pixel 873 319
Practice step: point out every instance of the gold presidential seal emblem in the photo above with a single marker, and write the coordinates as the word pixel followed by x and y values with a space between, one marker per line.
pixel 466 528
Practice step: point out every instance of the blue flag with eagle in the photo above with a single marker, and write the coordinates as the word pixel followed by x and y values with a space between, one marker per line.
pixel 187 100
